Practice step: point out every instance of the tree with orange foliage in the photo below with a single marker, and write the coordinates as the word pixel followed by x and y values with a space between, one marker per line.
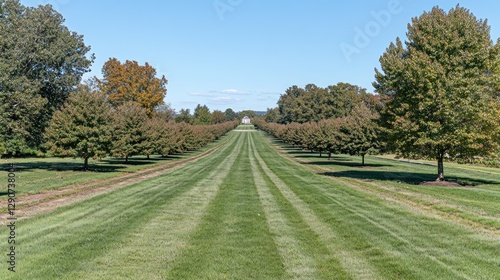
pixel 131 82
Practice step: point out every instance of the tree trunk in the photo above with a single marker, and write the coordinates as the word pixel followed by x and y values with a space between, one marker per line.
pixel 362 159
pixel 440 168
pixel 148 156
pixel 329 155
pixel 86 164
pixel 320 153
pixel 126 158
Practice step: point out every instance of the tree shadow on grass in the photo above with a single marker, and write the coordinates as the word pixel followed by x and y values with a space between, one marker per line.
pixel 61 166
pixel 347 163
pixel 276 140
pixel 174 156
pixel 134 162
pixel 405 177
pixel 339 161
pixel 304 155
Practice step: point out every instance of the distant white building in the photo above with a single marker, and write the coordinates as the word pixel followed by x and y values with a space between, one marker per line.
pixel 245 120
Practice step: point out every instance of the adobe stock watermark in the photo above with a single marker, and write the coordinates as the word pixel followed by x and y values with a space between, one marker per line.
pixel 11 219
pixel 363 36
pixel 224 6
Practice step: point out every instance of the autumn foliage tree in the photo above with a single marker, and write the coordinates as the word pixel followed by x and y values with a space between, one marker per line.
pixel 129 130
pixel 82 127
pixel 162 137
pixel 439 88
pixel 131 82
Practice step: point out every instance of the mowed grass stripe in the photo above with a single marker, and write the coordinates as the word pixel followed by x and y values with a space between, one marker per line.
pixel 299 263
pixel 154 247
pixel 233 240
pixel 397 241
pixel 476 207
pixel 362 223
pixel 354 265
pixel 54 245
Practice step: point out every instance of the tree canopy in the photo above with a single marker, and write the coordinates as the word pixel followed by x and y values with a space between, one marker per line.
pixel 131 82
pixel 313 103
pixel 230 114
pixel 218 117
pixel 184 116
pixel 439 88
pixel 129 130
pixel 41 63
pixel 202 115
pixel 82 127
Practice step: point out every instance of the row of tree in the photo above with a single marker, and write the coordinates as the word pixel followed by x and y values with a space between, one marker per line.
pixel 203 116
pixel 42 62
pixel 313 103
pixel 438 97
pixel 89 126
pixel 354 134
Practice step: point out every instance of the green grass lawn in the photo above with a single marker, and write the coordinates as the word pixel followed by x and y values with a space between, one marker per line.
pixel 478 203
pixel 245 127
pixel 246 212
pixel 36 175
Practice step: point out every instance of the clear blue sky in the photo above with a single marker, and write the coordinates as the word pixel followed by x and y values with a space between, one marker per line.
pixel 242 54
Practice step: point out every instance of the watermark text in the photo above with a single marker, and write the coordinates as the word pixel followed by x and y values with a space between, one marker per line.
pixel 11 219
pixel 224 6
pixel 363 36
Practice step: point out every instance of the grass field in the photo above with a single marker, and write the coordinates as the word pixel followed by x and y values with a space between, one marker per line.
pixel 42 174
pixel 255 209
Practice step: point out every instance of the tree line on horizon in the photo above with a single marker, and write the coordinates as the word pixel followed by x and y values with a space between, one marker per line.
pixel 89 126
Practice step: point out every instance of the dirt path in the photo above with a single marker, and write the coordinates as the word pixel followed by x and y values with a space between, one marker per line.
pixel 35 204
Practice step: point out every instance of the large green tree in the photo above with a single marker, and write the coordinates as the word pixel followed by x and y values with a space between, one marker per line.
pixel 230 114
pixel 202 115
pixel 81 128
pixel 313 103
pixel 184 116
pixel 272 115
pixel 439 88
pixel 41 63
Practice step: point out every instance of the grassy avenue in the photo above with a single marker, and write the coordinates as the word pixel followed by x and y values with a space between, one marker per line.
pixel 256 209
